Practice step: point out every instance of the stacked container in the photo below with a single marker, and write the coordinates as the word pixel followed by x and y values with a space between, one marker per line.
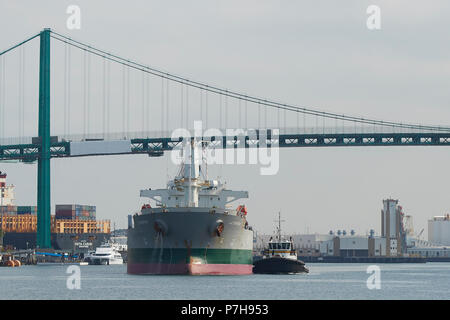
pixel 8 210
pixel 27 210
pixel 75 211
pixel 18 210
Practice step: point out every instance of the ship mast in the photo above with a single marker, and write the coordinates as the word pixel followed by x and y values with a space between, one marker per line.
pixel 279 226
pixel 191 174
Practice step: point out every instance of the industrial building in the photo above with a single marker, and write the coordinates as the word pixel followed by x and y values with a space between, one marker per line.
pixel 430 252
pixel 6 192
pixel 397 240
pixel 391 243
pixel 439 230
pixel 309 244
pixel 353 246
pixel 392 228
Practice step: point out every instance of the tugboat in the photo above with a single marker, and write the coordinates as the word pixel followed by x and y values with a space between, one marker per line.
pixel 280 256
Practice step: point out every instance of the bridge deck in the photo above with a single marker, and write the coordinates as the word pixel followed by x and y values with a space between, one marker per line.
pixel 155 146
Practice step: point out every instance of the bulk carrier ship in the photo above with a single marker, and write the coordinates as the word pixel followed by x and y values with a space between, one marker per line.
pixel 192 230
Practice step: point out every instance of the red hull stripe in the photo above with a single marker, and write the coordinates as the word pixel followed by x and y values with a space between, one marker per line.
pixel 192 269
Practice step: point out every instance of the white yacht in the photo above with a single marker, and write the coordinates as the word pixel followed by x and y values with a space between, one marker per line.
pixel 106 254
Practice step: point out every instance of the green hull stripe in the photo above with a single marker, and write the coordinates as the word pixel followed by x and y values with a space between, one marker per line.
pixel 183 255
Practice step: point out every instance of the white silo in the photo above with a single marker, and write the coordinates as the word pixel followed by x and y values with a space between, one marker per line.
pixel 439 230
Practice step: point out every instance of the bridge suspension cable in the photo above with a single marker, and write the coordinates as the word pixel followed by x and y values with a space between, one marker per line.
pixel 19 44
pixel 226 105
pixel 232 94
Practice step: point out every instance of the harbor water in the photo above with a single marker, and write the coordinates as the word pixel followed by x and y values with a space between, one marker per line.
pixel 325 281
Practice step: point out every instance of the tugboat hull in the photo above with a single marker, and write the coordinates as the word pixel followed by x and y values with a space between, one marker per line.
pixel 277 265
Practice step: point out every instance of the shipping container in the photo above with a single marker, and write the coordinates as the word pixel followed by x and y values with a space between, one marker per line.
pixel 26 210
pixel 75 211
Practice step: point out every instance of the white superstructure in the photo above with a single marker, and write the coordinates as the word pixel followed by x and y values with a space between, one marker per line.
pixel 279 246
pixel 191 187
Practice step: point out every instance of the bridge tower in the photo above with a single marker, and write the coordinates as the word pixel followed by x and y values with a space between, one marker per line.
pixel 43 183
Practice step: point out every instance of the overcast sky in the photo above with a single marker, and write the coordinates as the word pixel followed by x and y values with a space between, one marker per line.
pixel 309 53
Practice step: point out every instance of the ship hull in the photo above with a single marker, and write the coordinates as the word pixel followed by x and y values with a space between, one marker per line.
pixel 72 242
pixel 189 269
pixel 275 265
pixel 189 244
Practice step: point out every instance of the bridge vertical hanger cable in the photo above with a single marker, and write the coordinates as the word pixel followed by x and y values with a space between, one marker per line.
pixel 362 127
pixel 167 105
pixel 167 123
pixel 259 116
pixel 187 107
pixel 84 94
pixel 206 110
pixel 265 117
pixel 123 100
pixel 108 100
pixel 23 90
pixel 335 127
pixel 226 111
pixel 147 104
pixel 220 112
pixel 65 90
pixel 162 107
pixel 304 123
pixel 104 98
pixel 181 106
pixel 246 114
pixel 2 96
pixel 88 94
pixel 323 125
pixel 317 124
pixel 69 69
pixel 143 103
pixel 201 105
pixel 278 118
pixel 20 92
pixel 128 103
pixel 240 113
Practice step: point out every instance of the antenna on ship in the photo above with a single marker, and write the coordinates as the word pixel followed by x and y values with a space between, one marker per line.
pixel 279 225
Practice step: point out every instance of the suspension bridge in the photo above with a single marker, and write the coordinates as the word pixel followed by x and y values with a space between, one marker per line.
pixel 94 102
